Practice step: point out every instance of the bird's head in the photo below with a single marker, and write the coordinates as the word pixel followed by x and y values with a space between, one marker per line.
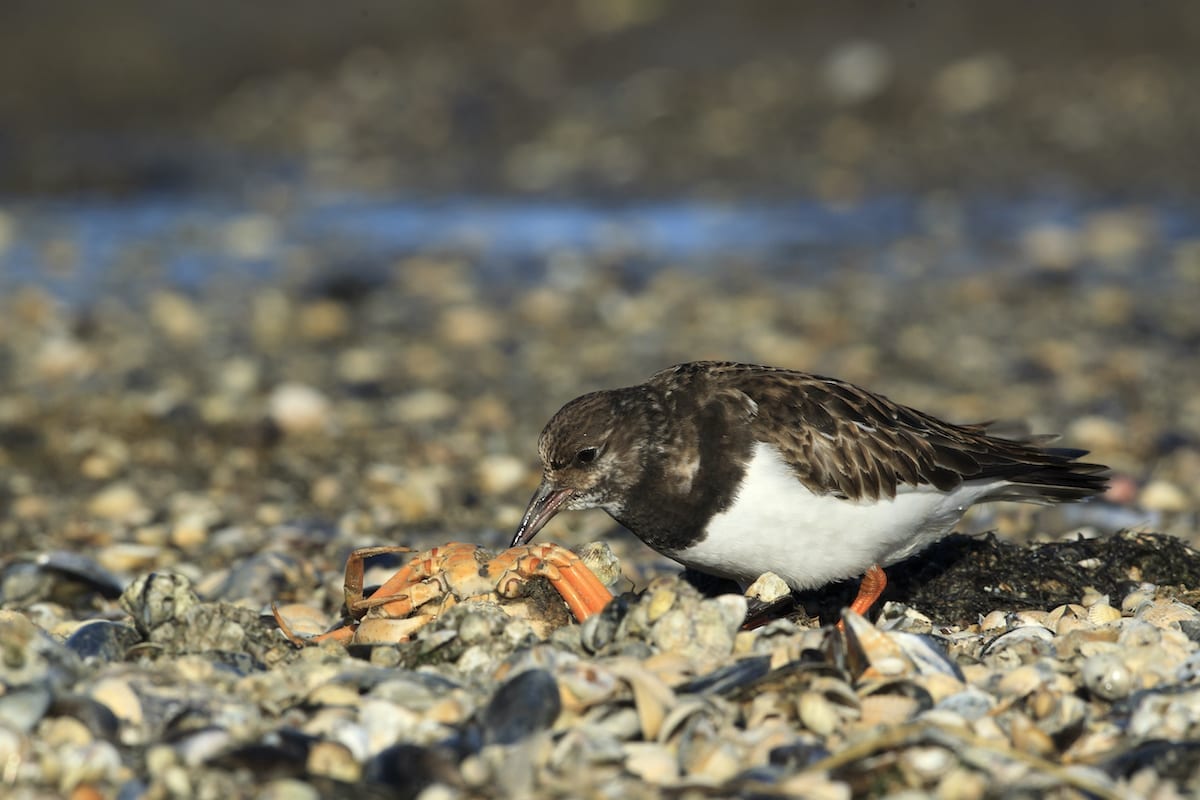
pixel 592 453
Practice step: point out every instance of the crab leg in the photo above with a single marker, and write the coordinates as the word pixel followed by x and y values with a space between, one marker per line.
pixel 342 635
pixel 413 585
pixel 578 585
pixel 352 586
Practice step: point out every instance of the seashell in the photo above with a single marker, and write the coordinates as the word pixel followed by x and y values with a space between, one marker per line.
pixel 59 576
pixel 891 654
pixel 661 600
pixel 1065 613
pixel 96 762
pixel 1028 737
pixel 584 684
pixel 1189 670
pixel 408 768
pixel 715 763
pixel 963 783
pixel 742 673
pixel 1027 641
pixel 102 640
pixel 22 707
pixel 994 621
pixel 766 706
pixel 1025 679
pixel 119 697
pixel 1102 613
pixel 584 744
pixel 1071 623
pixel 599 630
pixel 826 704
pixel 680 715
pixel 970 704
pixel 1106 676
pixel 768 588
pixel 651 762
pixel 158 598
pixel 1138 597
pixel 333 760
pixel 887 709
pixel 651 697
pixel 198 747
pixel 260 578
pixel 1027 617
pixel 1058 713
pixel 820 714
pixel 525 704
pixel 1164 613
pixel 928 763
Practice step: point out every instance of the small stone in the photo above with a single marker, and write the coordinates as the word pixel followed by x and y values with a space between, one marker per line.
pixel 857 70
pixel 469 326
pixel 177 317
pixel 1161 495
pixel 660 602
pixel 59 731
pixel 297 408
pixel 501 474
pixel 359 365
pixel 190 531
pixel 972 84
pixel 252 237
pixel 424 405
pixel 333 760
pixel 323 320
pixel 119 502
pixel 1106 676
pixel 288 789
pixel 60 358
pixel 120 698
pixel 129 557
pixel 768 588
pixel 651 762
pixel 1052 247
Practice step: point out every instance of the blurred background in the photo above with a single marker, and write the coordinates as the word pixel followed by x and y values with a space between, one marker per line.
pixel 310 275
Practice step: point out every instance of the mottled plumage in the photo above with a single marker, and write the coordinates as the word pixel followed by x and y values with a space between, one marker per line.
pixel 811 477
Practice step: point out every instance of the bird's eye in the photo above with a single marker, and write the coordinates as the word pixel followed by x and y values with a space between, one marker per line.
pixel 587 455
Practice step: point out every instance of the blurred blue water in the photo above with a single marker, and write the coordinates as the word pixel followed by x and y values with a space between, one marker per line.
pixel 84 247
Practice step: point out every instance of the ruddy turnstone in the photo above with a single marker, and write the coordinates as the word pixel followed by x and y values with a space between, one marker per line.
pixel 735 469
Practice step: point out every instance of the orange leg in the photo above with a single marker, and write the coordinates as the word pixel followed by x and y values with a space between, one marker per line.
pixel 581 590
pixel 873 584
pixel 342 635
pixel 413 585
pixel 352 586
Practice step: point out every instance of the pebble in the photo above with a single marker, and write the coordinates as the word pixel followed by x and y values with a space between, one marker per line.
pixel 299 409
pixel 119 502
pixel 1160 495
pixel 857 71
pixel 502 474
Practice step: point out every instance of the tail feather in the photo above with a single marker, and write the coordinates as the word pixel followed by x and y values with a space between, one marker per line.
pixel 1060 479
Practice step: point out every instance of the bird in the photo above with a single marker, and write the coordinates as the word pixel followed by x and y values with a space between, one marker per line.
pixel 735 470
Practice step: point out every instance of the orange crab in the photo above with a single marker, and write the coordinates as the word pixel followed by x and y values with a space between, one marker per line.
pixel 441 577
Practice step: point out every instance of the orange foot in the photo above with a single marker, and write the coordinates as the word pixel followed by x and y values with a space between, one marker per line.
pixel 874 581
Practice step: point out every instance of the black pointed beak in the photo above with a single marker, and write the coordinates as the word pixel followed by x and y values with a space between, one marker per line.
pixel 544 504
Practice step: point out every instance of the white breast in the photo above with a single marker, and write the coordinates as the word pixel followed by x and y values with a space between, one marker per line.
pixel 777 524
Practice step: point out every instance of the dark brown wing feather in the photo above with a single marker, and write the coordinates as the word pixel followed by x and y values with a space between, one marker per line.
pixel 841 439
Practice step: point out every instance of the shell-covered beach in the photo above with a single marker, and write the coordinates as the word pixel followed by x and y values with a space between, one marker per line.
pixel 340 315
